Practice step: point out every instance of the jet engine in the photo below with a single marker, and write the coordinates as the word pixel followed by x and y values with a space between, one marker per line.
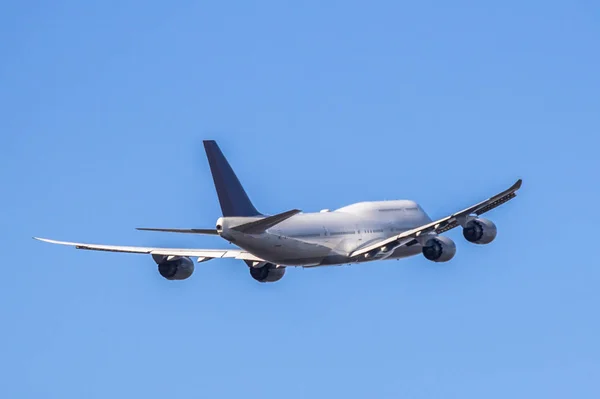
pixel 174 267
pixel 480 231
pixel 269 273
pixel 439 249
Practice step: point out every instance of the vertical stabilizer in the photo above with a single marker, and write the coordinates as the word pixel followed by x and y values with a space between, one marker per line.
pixel 232 196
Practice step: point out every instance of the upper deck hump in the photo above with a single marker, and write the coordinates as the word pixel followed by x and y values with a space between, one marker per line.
pixel 380 206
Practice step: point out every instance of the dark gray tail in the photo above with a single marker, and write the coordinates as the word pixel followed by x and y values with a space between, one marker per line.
pixel 232 197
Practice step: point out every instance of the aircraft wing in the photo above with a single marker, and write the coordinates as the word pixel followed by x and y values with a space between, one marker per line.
pixel 449 222
pixel 201 254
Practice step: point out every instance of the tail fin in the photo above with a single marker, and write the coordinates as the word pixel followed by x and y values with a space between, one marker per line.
pixel 232 197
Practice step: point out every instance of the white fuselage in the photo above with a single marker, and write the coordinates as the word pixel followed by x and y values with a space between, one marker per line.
pixel 328 238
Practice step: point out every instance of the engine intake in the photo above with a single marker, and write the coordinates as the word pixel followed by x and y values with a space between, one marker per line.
pixel 174 267
pixel 480 231
pixel 439 249
pixel 269 273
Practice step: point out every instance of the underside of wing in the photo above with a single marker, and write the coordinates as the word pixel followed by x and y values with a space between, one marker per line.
pixel 201 254
pixel 442 225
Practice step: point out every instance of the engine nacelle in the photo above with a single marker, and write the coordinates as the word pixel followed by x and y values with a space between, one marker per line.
pixel 269 273
pixel 480 231
pixel 439 249
pixel 174 267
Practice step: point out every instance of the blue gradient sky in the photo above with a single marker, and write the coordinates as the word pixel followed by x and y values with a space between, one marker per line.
pixel 103 107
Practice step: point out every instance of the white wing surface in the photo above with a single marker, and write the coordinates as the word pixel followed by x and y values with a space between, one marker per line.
pixel 442 225
pixel 201 254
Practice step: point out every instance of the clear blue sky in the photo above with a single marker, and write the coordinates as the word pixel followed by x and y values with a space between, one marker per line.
pixel 103 107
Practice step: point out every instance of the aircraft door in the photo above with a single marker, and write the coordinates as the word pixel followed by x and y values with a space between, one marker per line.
pixel 359 233
pixel 326 235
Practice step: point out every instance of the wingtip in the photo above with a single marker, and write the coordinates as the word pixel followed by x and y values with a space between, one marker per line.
pixel 48 240
pixel 518 184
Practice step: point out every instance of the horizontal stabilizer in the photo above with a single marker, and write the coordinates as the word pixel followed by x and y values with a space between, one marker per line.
pixel 259 226
pixel 186 231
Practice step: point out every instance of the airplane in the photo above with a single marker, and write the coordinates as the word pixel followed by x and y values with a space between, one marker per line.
pixel 357 233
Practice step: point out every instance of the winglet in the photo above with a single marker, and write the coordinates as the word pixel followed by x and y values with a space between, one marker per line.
pixel 259 226
pixel 517 185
